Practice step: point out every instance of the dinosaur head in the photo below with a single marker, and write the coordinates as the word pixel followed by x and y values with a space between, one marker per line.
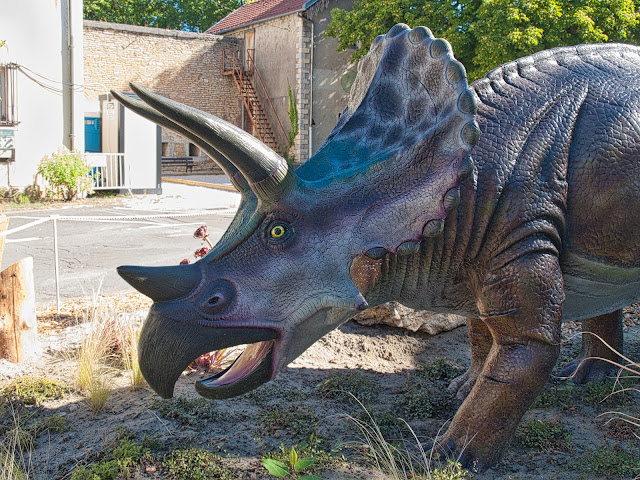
pixel 290 267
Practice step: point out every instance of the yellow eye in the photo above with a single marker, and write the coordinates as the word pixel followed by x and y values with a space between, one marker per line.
pixel 277 231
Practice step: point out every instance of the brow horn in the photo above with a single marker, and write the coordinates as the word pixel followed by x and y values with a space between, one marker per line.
pixel 149 113
pixel 267 172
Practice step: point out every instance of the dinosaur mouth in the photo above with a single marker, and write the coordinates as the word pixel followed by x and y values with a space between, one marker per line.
pixel 251 368
pixel 168 346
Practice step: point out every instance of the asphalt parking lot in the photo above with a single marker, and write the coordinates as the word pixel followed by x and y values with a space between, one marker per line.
pixel 94 240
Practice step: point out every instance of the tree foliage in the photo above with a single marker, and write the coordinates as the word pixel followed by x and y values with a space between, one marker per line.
pixel 189 15
pixel 486 33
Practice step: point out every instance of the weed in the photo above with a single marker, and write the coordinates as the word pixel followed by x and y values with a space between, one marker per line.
pixel 611 463
pixel 195 464
pixel 15 450
pixel 404 460
pixel 195 412
pixel 118 461
pixel 543 436
pixel 129 338
pixel 309 453
pixel 567 395
pixel 427 395
pixel 297 422
pixel 268 392
pixel 53 424
pixel 152 443
pixel 95 351
pixel 349 386
pixel 294 466
pixel 440 370
pixel 34 390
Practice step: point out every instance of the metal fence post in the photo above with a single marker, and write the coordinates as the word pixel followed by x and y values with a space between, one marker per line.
pixel 55 255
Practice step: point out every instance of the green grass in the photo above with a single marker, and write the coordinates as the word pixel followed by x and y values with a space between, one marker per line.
pixel 195 464
pixel 34 390
pixel 567 395
pixel 195 412
pixel 611 463
pixel 346 386
pixel 297 422
pixel 543 436
pixel 118 460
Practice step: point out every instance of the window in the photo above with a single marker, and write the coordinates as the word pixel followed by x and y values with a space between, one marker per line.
pixel 194 150
pixel 8 95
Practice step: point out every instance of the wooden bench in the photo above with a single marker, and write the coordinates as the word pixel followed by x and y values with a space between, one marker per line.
pixel 186 161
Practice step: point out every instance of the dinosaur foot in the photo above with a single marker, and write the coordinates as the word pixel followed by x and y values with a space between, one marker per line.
pixel 589 370
pixel 447 449
pixel 462 385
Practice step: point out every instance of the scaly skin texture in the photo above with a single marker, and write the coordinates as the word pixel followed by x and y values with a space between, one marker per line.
pixel 515 202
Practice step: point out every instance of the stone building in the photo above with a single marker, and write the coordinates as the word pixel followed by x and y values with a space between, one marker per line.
pixel 285 40
pixel 184 66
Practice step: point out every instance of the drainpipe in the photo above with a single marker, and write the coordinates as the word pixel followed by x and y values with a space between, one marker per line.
pixel 72 93
pixel 310 128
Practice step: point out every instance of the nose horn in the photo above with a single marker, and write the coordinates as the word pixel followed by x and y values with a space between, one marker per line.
pixel 162 283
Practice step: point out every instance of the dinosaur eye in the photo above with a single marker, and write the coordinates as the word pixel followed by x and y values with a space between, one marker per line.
pixel 278 231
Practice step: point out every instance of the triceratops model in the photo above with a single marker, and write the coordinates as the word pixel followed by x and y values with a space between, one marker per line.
pixel 514 202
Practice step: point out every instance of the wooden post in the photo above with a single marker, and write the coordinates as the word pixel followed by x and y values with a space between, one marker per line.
pixel 18 324
pixel 4 223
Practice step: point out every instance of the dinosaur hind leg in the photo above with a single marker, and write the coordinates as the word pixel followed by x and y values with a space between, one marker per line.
pixel 480 341
pixel 587 367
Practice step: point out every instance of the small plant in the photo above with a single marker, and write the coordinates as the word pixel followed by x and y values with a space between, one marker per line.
pixel 612 463
pixel 196 412
pixel 294 126
pixel 297 422
pixel 66 173
pixel 195 464
pixel 544 436
pixel 308 455
pixel 295 465
pixel 34 390
pixel 404 460
pixel 93 371
pixel 350 386
pixel 129 337
pixel 117 462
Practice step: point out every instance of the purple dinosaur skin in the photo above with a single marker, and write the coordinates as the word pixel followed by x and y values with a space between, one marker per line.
pixel 515 202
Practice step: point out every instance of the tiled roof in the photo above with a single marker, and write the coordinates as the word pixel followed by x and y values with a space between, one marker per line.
pixel 255 12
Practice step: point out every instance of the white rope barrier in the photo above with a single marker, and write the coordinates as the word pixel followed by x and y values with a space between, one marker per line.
pixel 111 218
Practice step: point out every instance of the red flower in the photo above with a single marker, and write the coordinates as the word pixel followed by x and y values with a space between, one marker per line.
pixel 185 261
pixel 201 252
pixel 201 232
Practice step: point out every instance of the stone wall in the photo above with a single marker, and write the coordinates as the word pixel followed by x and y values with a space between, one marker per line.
pixel 183 66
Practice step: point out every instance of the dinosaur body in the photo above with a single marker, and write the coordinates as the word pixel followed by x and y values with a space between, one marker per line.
pixel 515 202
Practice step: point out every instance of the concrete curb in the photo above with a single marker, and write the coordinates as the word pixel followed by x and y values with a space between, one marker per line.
pixel 227 188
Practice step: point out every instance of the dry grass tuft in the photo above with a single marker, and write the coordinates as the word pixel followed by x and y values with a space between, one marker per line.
pixel 111 342
pixel 405 460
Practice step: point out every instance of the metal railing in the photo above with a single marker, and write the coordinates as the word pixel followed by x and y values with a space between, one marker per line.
pixel 108 171
pixel 263 94
pixel 233 64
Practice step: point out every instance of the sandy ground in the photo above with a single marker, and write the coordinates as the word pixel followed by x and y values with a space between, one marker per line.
pixel 384 367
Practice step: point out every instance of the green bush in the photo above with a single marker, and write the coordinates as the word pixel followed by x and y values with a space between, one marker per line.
pixel 66 173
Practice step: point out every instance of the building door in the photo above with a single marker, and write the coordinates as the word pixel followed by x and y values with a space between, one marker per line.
pixel 249 48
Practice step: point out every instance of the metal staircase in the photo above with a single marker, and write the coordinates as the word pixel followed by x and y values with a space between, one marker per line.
pixel 255 98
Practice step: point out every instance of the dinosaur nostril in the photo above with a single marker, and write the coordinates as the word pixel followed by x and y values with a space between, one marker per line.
pixel 220 297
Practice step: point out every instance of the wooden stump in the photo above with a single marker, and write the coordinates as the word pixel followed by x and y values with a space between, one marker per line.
pixel 18 324
pixel 4 223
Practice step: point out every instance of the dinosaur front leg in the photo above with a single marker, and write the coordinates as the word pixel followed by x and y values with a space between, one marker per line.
pixel 480 341
pixel 521 306
pixel 587 367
